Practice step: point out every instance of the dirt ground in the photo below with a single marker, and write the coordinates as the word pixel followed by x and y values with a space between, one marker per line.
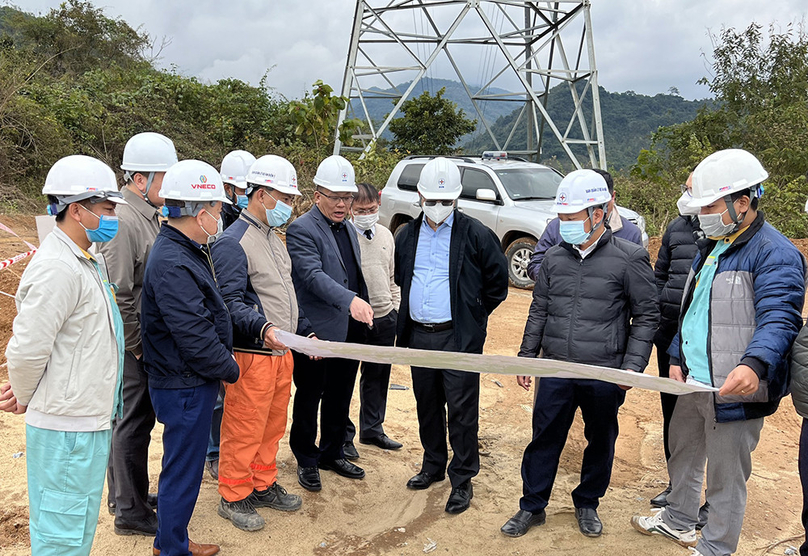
pixel 378 515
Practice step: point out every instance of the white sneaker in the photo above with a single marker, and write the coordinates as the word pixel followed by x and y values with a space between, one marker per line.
pixel 654 525
pixel 694 552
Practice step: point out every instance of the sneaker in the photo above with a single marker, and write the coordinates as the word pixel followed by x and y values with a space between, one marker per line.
pixel 212 467
pixel 277 498
pixel 654 525
pixel 695 552
pixel 242 513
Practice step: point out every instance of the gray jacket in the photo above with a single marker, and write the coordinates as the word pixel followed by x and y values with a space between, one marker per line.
pixel 601 310
pixel 799 372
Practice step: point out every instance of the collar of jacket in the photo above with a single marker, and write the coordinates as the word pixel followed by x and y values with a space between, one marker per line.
pixel 75 249
pixel 139 204
pixel 603 240
pixel 252 220
pixel 173 234
pixel 706 245
pixel 319 216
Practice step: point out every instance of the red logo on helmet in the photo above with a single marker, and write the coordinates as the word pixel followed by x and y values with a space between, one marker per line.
pixel 441 181
pixel 345 176
pixel 203 178
pixel 562 198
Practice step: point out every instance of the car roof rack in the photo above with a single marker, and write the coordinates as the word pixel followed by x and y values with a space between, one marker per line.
pixel 431 156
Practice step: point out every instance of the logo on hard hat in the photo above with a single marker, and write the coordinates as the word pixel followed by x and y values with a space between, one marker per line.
pixel 723 188
pixel 203 178
pixel 345 176
pixel 562 198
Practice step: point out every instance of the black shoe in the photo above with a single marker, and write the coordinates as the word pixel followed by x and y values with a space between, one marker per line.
pixel 704 512
pixel 521 523
pixel 382 441
pixel 241 514
pixel 146 527
pixel 460 498
pixel 343 467
pixel 661 499
pixel 309 478
pixel 277 498
pixel 350 452
pixel 423 479
pixel 213 468
pixel 151 500
pixel 589 522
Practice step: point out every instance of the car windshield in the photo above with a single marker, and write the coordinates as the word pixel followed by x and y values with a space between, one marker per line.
pixel 529 183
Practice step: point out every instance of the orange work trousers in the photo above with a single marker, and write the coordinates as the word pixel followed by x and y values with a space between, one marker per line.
pixel 253 423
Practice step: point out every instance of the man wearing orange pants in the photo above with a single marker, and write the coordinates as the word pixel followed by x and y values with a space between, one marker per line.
pixel 254 274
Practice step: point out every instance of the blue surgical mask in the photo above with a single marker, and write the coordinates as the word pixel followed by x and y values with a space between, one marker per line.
pixel 573 232
pixel 241 201
pixel 279 215
pixel 106 230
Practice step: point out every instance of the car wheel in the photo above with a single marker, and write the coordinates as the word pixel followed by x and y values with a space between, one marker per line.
pixel 518 255
pixel 400 228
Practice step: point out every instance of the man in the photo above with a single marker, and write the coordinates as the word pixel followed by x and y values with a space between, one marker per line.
pixel 331 291
pixel 594 303
pixel 452 274
pixel 671 269
pixel 146 157
pixel 620 227
pixel 377 247
pixel 255 276
pixel 187 342
pixel 799 395
pixel 234 169
pixel 741 312
pixel 65 359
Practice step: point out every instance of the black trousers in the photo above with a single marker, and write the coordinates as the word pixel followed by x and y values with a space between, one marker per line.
pixel 374 382
pixel 437 390
pixel 128 470
pixel 553 412
pixel 668 400
pixel 326 384
pixel 803 466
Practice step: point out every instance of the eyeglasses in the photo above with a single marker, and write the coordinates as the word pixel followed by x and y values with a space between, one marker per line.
pixel 444 202
pixel 336 199
pixel 684 188
pixel 366 212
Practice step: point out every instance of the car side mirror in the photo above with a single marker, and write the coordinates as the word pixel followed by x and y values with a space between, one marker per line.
pixel 486 195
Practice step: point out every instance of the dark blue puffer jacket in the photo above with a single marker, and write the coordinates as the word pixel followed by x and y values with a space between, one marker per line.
pixel 186 328
pixel 755 314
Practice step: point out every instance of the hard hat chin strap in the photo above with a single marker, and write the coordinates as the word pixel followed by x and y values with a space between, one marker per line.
pixel 145 194
pixel 736 218
pixel 591 212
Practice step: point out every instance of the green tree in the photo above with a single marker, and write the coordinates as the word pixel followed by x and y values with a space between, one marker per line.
pixel 761 91
pixel 316 117
pixel 430 125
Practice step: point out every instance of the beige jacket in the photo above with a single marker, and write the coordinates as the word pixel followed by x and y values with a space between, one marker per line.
pixel 63 356
pixel 126 256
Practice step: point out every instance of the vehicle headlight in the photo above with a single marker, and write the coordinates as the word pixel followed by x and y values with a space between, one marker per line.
pixel 641 224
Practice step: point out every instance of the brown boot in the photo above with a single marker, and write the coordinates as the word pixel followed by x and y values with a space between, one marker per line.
pixel 196 549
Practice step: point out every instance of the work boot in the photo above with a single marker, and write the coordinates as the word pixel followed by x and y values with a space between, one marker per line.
pixel 277 498
pixel 242 513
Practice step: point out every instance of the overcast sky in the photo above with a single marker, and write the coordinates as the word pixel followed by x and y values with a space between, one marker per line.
pixel 646 46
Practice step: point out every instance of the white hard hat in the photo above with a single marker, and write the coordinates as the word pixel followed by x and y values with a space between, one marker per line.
pixel 580 190
pixel 235 166
pixel 195 181
pixel 148 152
pixel 723 173
pixel 78 177
pixel 336 174
pixel 276 172
pixel 440 180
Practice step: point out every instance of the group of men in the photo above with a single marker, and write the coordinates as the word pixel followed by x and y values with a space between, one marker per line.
pixel 178 321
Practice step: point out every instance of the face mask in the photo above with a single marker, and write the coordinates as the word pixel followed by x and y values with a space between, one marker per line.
pixel 241 201
pixel 573 232
pixel 713 225
pixel 366 221
pixel 278 215
pixel 685 210
pixel 106 230
pixel 219 229
pixel 438 212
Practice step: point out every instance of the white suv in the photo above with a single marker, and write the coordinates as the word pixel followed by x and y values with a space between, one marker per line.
pixel 513 197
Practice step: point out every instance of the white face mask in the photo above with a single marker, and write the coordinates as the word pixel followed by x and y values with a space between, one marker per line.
pixel 685 210
pixel 219 228
pixel 713 225
pixel 365 221
pixel 438 212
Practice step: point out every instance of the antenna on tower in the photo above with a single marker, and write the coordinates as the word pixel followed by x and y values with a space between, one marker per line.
pixel 529 47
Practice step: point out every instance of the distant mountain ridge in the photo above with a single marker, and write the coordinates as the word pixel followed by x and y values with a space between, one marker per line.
pixel 629 118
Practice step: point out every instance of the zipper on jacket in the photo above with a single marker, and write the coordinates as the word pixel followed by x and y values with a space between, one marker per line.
pixel 575 309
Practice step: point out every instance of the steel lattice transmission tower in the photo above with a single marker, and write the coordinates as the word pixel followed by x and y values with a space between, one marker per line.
pixel 518 50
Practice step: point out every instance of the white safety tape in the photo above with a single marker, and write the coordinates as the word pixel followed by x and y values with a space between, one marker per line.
pixel 16 259
pixel 496 364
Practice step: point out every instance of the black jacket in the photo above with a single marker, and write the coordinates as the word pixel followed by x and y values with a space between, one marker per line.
pixel 478 279
pixel 601 310
pixel 671 269
pixel 186 328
